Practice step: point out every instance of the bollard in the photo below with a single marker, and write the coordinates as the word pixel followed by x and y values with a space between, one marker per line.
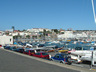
pixel 91 61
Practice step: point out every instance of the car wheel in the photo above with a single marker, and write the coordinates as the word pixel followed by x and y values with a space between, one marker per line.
pixel 69 59
pixel 69 63
pixel 61 61
pixel 51 59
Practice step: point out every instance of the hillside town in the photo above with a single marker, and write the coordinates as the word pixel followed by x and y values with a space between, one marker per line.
pixel 44 34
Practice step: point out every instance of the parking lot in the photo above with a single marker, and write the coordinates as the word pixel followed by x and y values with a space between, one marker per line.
pixel 6 56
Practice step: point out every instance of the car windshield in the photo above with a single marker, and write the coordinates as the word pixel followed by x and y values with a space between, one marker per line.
pixel 44 54
pixel 38 54
pixel 78 48
pixel 64 55
pixel 7 47
pixel 26 51
pixel 13 47
pixel 94 48
pixel 31 50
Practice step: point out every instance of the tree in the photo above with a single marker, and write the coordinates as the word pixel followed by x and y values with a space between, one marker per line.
pixel 28 36
pixel 7 33
pixel 56 31
pixel 17 36
pixel 44 32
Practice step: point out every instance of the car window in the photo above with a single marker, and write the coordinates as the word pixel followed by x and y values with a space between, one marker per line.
pixel 78 48
pixel 64 55
pixel 31 50
pixel 38 54
pixel 94 48
pixel 26 51
pixel 13 47
pixel 38 50
pixel 56 56
pixel 44 54
pixel 61 57
pixel 7 47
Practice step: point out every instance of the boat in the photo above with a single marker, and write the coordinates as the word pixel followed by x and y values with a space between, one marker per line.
pixel 84 55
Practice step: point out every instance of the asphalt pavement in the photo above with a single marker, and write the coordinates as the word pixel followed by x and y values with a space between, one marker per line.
pixel 12 62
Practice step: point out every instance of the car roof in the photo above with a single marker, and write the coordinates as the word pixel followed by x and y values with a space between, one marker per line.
pixel 62 54
pixel 41 52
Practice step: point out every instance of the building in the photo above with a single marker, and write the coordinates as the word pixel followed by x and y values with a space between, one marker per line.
pixel 66 34
pixel 1 33
pixel 6 40
pixel 37 30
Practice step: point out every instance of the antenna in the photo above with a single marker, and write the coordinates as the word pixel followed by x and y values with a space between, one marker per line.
pixel 93 10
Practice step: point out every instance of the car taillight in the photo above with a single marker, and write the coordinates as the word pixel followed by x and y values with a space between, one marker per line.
pixel 64 60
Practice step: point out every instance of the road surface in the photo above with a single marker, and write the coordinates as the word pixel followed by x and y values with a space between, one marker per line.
pixel 11 62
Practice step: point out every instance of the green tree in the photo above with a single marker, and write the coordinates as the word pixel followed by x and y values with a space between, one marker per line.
pixel 44 32
pixel 56 31
pixel 17 36
pixel 7 33
pixel 28 36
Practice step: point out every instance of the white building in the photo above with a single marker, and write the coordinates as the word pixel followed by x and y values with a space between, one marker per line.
pixel 20 33
pixel 38 30
pixel 67 34
pixel 6 40
pixel 1 33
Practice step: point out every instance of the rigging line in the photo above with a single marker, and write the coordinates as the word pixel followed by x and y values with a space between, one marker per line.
pixel 93 11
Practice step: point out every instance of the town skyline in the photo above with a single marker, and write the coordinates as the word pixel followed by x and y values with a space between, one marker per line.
pixel 45 29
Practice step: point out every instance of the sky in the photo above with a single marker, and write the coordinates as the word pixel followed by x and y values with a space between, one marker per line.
pixel 51 14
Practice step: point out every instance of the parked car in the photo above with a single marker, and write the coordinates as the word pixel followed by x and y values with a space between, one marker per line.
pixel 7 47
pixel 13 48
pixel 21 50
pixel 62 58
pixel 29 52
pixel 50 50
pixel 63 51
pixel 41 45
pixel 41 55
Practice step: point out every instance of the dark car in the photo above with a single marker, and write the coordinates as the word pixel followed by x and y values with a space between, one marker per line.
pixel 62 58
pixel 7 47
pixel 13 48
pixel 29 52
pixel 41 45
pixel 41 55
pixel 21 50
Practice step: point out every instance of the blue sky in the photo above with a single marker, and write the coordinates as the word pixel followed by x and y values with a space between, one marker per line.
pixel 52 14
